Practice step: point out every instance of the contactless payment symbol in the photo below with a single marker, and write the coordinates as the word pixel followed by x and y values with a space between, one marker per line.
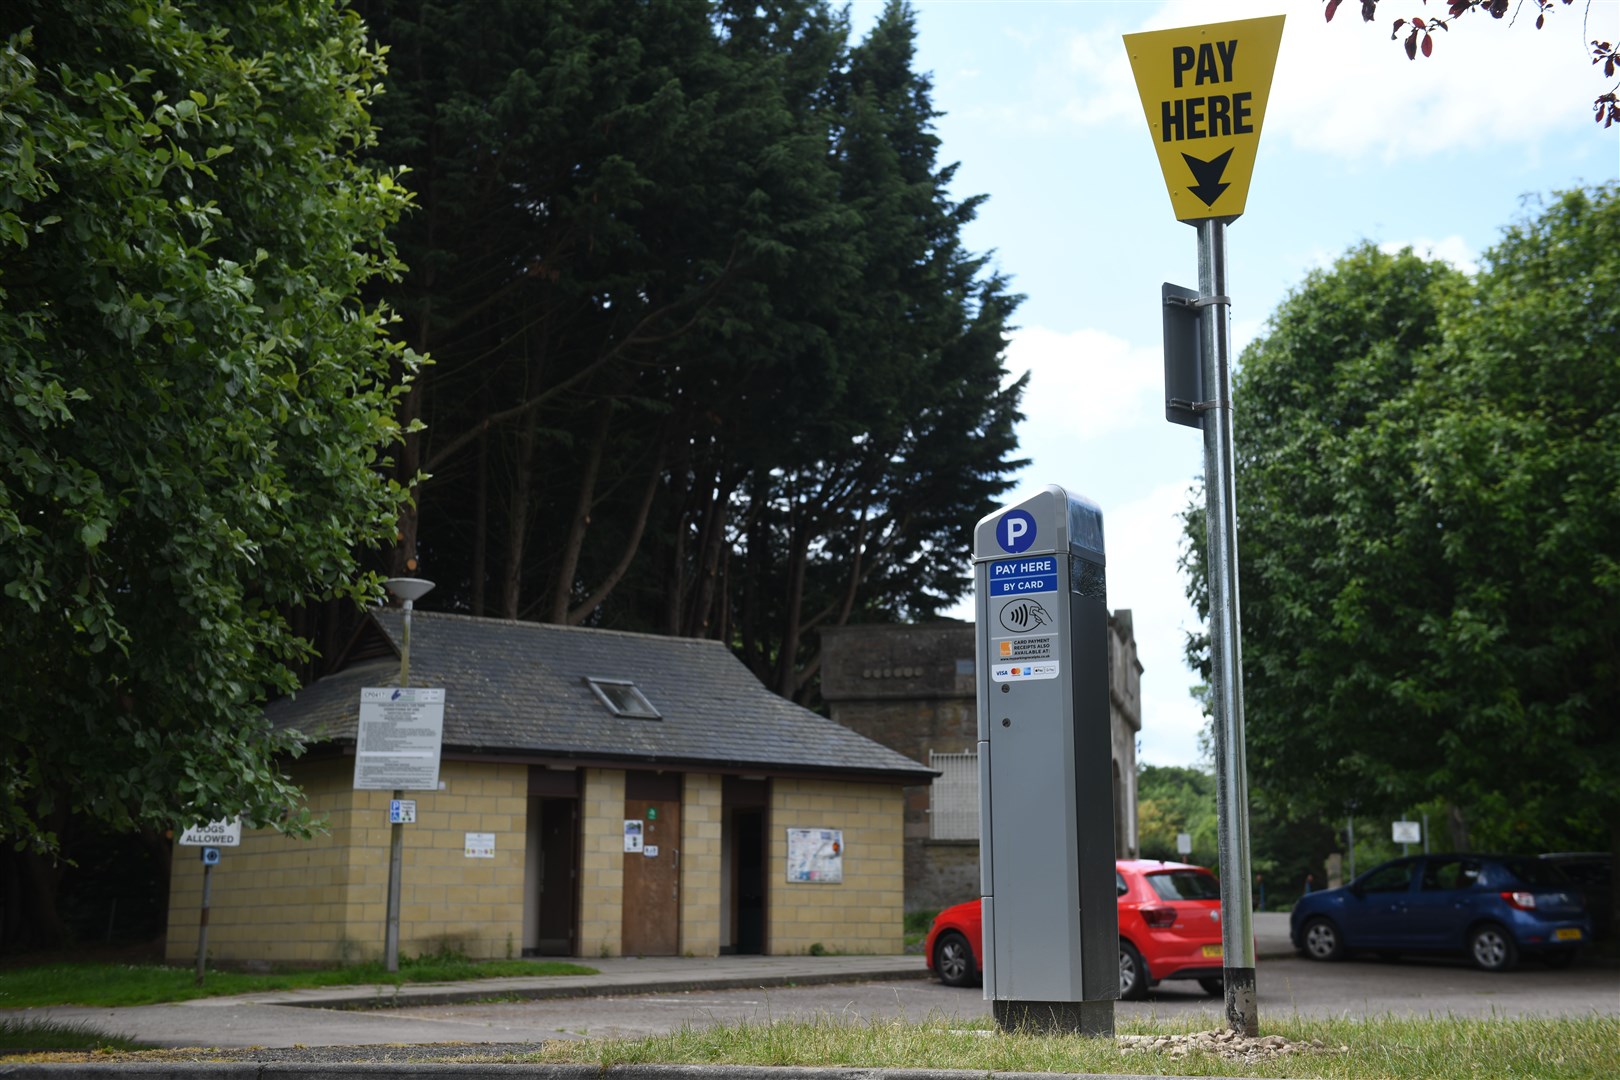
pixel 1016 531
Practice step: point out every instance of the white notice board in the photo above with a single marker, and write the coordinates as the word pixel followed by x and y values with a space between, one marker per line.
pixel 815 855
pixel 397 747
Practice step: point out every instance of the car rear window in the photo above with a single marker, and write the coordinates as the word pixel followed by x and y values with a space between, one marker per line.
pixel 1531 872
pixel 1185 885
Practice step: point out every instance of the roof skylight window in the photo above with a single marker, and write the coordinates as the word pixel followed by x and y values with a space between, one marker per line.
pixel 622 698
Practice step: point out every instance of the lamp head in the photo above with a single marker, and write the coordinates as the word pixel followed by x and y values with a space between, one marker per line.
pixel 409 589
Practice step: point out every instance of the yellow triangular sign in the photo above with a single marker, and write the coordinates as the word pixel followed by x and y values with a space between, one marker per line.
pixel 1204 91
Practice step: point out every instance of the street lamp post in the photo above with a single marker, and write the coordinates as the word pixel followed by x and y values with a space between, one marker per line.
pixel 407 591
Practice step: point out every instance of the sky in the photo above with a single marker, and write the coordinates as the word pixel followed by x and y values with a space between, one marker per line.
pixel 1358 144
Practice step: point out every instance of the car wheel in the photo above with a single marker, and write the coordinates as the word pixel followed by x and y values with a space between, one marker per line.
pixel 1213 987
pixel 953 960
pixel 1133 973
pixel 1322 940
pixel 1492 948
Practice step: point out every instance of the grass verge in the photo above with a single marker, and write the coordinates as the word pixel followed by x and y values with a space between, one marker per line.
pixel 151 984
pixel 1390 1048
pixel 18 1035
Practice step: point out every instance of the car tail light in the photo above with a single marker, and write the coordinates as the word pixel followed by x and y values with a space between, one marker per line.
pixel 1159 917
pixel 1524 901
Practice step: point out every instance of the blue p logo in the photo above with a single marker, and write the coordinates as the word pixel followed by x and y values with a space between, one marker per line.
pixel 1016 531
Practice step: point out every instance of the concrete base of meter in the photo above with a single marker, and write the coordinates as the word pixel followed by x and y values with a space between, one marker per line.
pixel 1055 1017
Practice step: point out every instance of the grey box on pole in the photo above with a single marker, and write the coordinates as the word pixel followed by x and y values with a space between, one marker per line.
pixel 1183 361
pixel 1051 925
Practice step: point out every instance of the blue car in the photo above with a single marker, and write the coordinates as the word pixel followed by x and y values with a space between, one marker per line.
pixel 1491 908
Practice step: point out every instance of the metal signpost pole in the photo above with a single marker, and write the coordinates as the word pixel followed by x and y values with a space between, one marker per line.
pixel 1204 91
pixel 1225 633
pixel 202 921
pixel 409 590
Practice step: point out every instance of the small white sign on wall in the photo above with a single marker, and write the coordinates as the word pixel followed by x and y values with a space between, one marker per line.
pixel 632 835
pixel 480 845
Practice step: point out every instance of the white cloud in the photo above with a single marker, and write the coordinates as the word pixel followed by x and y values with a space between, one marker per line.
pixel 1083 385
pixel 1143 540
pixel 1346 90
pixel 1453 249
pixel 1343 89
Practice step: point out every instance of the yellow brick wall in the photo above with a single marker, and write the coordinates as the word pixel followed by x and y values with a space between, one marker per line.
pixel 701 820
pixel 273 898
pixel 864 914
pixel 325 900
pixel 601 863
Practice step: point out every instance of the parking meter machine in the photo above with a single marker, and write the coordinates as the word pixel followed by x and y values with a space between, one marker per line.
pixel 1046 810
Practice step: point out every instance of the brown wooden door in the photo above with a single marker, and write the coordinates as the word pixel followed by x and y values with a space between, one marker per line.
pixel 652 880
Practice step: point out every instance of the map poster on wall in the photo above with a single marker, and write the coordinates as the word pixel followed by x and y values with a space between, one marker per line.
pixel 815 855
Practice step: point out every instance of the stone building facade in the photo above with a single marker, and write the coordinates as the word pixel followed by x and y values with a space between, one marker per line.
pixel 913 689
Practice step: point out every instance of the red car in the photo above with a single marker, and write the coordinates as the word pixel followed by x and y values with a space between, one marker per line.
pixel 1169 928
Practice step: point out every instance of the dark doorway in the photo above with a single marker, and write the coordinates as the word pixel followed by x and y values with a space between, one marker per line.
pixel 746 804
pixel 750 879
pixel 559 832
pixel 551 876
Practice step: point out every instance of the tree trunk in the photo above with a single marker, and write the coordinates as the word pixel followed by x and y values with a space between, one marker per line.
pixel 632 544
pixel 480 552
pixel 797 560
pixel 517 521
pixel 562 583
pixel 1457 826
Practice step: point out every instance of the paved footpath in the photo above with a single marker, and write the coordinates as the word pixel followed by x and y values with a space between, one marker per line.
pixel 294 1026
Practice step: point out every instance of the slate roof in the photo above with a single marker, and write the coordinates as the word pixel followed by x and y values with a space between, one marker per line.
pixel 518 688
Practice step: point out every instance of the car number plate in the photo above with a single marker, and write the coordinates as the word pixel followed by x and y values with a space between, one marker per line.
pixel 1212 950
pixel 1568 934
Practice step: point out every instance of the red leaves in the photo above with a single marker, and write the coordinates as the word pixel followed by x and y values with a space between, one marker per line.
pixel 1413 41
pixel 1607 108
pixel 1603 53
pixel 1420 38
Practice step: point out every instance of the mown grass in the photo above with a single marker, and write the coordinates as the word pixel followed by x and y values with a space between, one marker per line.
pixel 18 1034
pixel 1389 1048
pixel 150 984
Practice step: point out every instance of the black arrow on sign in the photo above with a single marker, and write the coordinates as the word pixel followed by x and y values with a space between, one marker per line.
pixel 1208 175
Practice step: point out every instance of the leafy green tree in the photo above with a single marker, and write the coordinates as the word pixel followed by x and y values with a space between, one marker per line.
pixel 1171 800
pixel 196 403
pixel 1426 475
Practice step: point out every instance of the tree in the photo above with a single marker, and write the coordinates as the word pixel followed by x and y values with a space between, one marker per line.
pixel 1171 800
pixel 1420 38
pixel 1426 477
pixel 197 403
pixel 710 357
